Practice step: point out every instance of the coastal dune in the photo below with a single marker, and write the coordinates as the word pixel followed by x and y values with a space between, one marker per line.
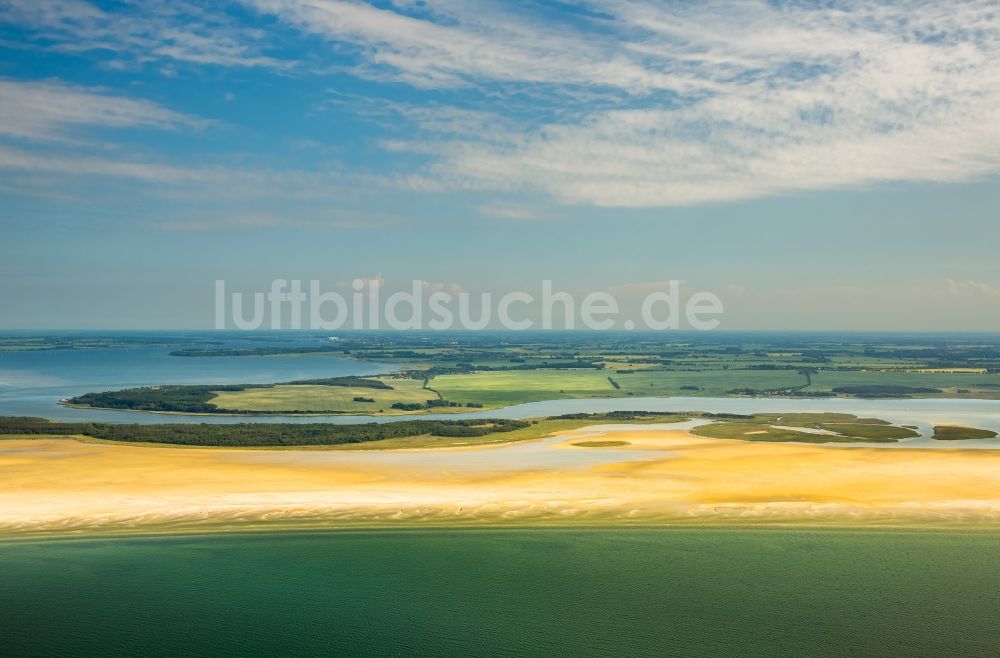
pixel 587 476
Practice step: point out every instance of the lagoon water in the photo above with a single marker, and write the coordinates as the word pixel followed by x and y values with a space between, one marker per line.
pixel 599 592
pixel 32 383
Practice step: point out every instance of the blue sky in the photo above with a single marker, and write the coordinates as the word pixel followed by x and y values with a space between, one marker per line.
pixel 827 166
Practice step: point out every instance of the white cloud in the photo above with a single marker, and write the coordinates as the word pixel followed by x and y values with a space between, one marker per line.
pixel 48 110
pixel 205 184
pixel 516 212
pixel 325 218
pixel 629 103
pixel 970 288
pixel 691 102
pixel 143 31
pixel 451 288
pixel 454 43
pixel 71 165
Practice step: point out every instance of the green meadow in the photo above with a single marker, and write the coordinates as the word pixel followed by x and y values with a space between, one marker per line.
pixel 320 398
pixel 502 387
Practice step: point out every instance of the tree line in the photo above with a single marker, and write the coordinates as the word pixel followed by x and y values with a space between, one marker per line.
pixel 259 434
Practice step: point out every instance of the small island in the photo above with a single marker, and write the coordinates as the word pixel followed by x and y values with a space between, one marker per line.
pixel 959 433
pixel 389 395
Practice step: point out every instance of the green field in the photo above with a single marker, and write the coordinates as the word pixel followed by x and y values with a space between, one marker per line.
pixel 972 384
pixel 337 399
pixel 660 383
pixel 496 388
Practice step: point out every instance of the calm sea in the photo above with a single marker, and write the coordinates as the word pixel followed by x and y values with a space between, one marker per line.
pixel 635 592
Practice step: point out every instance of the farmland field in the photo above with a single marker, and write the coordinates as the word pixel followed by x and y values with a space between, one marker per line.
pixel 347 399
pixel 979 385
pixel 516 386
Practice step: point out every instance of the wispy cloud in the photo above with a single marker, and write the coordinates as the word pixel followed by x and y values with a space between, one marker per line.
pixel 192 198
pixel 70 165
pixel 52 110
pixel 516 212
pixel 698 102
pixel 623 103
pixel 327 218
pixel 45 133
pixel 145 31
pixel 970 288
pixel 453 43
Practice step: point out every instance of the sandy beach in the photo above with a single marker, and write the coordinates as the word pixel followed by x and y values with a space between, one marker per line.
pixel 647 476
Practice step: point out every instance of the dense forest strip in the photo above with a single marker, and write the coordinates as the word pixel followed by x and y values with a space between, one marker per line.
pixel 259 434
pixel 322 434
pixel 884 390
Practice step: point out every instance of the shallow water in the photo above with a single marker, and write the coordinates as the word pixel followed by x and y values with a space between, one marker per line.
pixel 621 592
pixel 520 456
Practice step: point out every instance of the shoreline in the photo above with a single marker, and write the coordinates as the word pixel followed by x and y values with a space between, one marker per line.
pixel 362 529
pixel 282 414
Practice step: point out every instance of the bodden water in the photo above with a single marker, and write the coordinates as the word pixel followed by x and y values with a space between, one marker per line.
pixel 33 382
pixel 624 592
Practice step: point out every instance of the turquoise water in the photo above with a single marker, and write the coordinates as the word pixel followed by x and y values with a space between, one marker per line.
pixel 637 592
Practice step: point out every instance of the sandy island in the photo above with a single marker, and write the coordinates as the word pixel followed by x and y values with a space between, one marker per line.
pixel 629 475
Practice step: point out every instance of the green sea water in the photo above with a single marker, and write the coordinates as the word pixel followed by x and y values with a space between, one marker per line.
pixel 634 592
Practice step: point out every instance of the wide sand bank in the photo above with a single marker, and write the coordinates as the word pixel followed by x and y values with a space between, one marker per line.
pixel 660 476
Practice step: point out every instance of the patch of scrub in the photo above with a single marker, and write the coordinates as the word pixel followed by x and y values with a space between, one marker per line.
pixel 806 428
